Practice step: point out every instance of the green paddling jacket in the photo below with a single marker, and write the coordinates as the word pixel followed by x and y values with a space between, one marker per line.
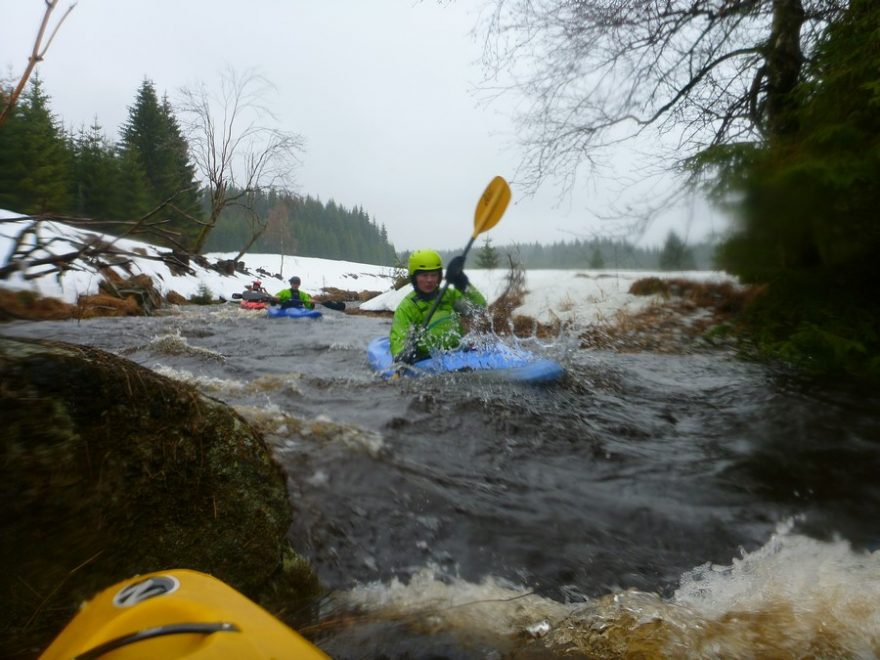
pixel 286 296
pixel 444 331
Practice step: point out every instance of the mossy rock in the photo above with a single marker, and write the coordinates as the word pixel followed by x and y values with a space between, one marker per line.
pixel 110 470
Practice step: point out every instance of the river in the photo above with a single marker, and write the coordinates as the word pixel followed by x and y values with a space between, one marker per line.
pixel 648 505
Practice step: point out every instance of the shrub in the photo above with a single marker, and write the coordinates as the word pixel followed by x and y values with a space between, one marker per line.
pixel 203 296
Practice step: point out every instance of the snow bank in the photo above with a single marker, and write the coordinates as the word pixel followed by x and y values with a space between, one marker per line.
pixel 57 239
pixel 580 297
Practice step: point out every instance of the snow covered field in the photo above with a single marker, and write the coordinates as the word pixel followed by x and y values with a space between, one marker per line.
pixel 580 297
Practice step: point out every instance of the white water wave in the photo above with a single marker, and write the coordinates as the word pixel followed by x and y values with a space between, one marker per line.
pixel 794 597
pixel 176 344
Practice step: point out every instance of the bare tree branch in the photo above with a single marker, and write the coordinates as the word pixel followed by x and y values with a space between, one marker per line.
pixel 92 252
pixel 37 55
pixel 596 73
pixel 232 147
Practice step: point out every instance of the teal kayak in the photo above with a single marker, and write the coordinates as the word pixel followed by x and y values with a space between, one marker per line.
pixel 292 313
pixel 499 358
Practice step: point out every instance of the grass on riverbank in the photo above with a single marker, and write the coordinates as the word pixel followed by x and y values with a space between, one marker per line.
pixel 818 327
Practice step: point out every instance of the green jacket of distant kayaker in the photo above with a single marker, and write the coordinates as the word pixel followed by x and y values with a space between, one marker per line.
pixel 444 330
pixel 287 295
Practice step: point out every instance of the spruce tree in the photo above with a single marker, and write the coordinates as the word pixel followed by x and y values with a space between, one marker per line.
pixel 94 175
pixel 134 199
pixel 144 136
pixel 152 137
pixel 34 157
pixel 182 173
pixel 12 166
pixel 675 254
pixel 487 257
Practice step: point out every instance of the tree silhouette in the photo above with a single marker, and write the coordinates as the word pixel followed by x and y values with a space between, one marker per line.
pixel 233 147
pixel 675 254
pixel 151 136
pixel 487 257
pixel 595 73
pixel 34 158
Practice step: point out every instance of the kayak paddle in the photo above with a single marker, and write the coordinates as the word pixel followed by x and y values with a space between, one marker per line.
pixel 490 207
pixel 336 305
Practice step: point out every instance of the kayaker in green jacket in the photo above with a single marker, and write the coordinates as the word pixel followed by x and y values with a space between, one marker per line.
pixel 409 340
pixel 293 297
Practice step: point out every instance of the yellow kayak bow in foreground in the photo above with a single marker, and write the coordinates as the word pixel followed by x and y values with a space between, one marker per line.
pixel 176 614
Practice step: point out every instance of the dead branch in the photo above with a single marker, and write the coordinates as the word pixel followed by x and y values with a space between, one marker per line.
pixel 232 147
pixel 36 56
pixel 593 74
pixel 93 251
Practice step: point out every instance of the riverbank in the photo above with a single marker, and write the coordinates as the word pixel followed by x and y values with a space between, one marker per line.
pixel 57 271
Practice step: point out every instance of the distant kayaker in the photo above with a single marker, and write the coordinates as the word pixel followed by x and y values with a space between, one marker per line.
pixel 255 292
pixel 409 341
pixel 293 297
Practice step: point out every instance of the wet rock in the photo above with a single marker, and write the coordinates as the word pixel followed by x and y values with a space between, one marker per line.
pixel 109 470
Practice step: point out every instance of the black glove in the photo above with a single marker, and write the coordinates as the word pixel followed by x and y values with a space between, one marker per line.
pixel 406 356
pixel 410 352
pixel 455 273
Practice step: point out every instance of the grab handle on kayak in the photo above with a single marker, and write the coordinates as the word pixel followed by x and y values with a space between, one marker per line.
pixel 157 631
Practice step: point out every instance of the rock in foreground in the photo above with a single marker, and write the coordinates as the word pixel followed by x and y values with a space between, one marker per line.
pixel 110 470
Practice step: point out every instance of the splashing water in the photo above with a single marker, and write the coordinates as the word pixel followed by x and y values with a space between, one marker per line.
pixel 649 505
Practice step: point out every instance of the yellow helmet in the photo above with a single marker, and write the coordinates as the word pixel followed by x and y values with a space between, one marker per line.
pixel 424 260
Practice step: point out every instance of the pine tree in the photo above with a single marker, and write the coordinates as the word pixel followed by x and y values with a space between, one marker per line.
pixel 34 157
pixel 182 174
pixel 94 175
pixel 143 135
pixel 134 200
pixel 11 159
pixel 487 257
pixel 152 137
pixel 676 255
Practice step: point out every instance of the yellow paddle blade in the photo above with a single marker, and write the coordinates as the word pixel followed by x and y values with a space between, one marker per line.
pixel 491 206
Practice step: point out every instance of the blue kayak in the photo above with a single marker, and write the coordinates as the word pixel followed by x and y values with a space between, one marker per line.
pixel 498 358
pixel 292 313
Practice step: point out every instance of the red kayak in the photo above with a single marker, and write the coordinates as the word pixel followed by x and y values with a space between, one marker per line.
pixel 253 304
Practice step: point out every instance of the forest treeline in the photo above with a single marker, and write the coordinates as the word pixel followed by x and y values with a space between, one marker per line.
pixel 307 227
pixel 594 254
pixel 146 182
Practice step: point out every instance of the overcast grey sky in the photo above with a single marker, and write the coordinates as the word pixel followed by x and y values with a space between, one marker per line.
pixel 381 90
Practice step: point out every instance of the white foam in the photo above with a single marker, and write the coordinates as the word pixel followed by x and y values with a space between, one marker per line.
pixel 793 597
